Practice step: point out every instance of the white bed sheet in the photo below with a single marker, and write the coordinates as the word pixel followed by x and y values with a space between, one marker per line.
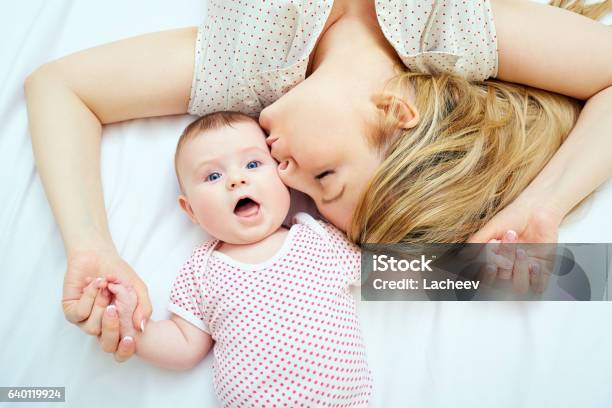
pixel 422 354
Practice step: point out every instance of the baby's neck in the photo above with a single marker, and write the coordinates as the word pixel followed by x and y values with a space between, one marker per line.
pixel 257 252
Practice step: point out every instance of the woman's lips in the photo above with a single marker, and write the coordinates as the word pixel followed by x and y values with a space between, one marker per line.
pixel 270 141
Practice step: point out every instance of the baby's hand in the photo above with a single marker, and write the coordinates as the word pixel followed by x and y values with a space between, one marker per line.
pixel 125 302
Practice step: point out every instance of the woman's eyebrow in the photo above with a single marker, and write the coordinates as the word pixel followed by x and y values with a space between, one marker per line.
pixel 336 198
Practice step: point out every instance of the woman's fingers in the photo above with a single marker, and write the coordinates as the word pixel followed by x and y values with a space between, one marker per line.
pixel 77 310
pixel 544 276
pixel 93 324
pixel 127 348
pixel 507 249
pixel 520 273
pixel 109 338
pixel 534 276
pixel 143 310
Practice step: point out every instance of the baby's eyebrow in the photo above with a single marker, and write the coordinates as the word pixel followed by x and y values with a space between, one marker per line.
pixel 256 149
pixel 249 149
pixel 204 163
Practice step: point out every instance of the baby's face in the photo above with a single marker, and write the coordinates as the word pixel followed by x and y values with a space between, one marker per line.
pixel 231 185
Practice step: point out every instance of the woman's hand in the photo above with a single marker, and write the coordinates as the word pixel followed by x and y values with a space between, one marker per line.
pixel 524 221
pixel 533 223
pixel 85 304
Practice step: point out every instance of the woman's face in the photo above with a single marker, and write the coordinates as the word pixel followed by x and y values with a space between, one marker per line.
pixel 319 140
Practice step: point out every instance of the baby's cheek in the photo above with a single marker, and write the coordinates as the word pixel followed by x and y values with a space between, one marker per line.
pixel 281 198
pixel 212 214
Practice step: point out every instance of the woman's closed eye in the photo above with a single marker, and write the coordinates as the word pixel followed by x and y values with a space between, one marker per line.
pixel 324 174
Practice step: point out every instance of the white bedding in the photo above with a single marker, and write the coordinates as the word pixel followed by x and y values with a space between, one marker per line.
pixel 422 354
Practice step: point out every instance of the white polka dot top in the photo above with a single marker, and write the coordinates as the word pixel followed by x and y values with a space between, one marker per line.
pixel 286 330
pixel 250 52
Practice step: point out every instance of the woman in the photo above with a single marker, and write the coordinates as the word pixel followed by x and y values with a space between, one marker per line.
pixel 348 131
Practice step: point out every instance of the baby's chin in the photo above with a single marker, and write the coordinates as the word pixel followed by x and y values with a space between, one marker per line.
pixel 249 235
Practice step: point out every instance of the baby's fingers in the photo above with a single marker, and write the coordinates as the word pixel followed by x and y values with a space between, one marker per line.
pixel 488 274
pixel 492 258
pixel 123 293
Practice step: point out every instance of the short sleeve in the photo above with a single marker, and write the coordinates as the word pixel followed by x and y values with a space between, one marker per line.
pixel 456 37
pixel 217 84
pixel 348 254
pixel 186 295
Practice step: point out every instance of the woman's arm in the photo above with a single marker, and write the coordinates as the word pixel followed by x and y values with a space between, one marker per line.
pixel 68 102
pixel 563 52
pixel 70 98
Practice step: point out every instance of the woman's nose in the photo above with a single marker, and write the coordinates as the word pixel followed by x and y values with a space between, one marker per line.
pixel 279 150
pixel 292 176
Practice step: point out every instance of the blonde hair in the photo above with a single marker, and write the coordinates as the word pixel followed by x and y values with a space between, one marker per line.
pixel 475 149
pixel 203 124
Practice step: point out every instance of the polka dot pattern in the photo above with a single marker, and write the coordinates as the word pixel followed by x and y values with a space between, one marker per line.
pixel 435 36
pixel 286 331
pixel 249 53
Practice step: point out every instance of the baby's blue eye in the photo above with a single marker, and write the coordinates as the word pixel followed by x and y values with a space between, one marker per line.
pixel 213 176
pixel 253 164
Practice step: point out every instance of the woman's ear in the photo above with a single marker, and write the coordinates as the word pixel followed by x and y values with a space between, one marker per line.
pixel 185 206
pixel 404 111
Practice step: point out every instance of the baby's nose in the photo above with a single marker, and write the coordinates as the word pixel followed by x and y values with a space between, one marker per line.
pixel 237 180
pixel 235 184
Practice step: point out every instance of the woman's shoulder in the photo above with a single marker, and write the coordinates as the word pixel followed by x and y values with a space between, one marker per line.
pixel 442 36
pixel 249 53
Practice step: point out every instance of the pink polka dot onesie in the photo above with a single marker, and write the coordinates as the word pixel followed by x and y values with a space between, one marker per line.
pixel 286 330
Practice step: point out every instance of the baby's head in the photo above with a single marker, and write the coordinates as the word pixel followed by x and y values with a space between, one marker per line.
pixel 228 179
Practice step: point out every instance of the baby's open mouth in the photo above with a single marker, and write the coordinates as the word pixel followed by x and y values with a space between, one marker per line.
pixel 246 207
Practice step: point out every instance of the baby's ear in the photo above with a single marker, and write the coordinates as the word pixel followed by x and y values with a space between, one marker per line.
pixel 185 206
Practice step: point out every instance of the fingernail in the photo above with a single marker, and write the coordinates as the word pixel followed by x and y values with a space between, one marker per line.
pixel 521 254
pixel 491 269
pixel 128 339
pixel 142 325
pixel 535 268
pixel 111 311
pixel 99 282
pixel 511 235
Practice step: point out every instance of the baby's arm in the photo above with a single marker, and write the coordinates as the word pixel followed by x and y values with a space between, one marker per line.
pixel 174 344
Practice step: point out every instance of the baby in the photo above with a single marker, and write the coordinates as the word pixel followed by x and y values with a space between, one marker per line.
pixel 275 301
